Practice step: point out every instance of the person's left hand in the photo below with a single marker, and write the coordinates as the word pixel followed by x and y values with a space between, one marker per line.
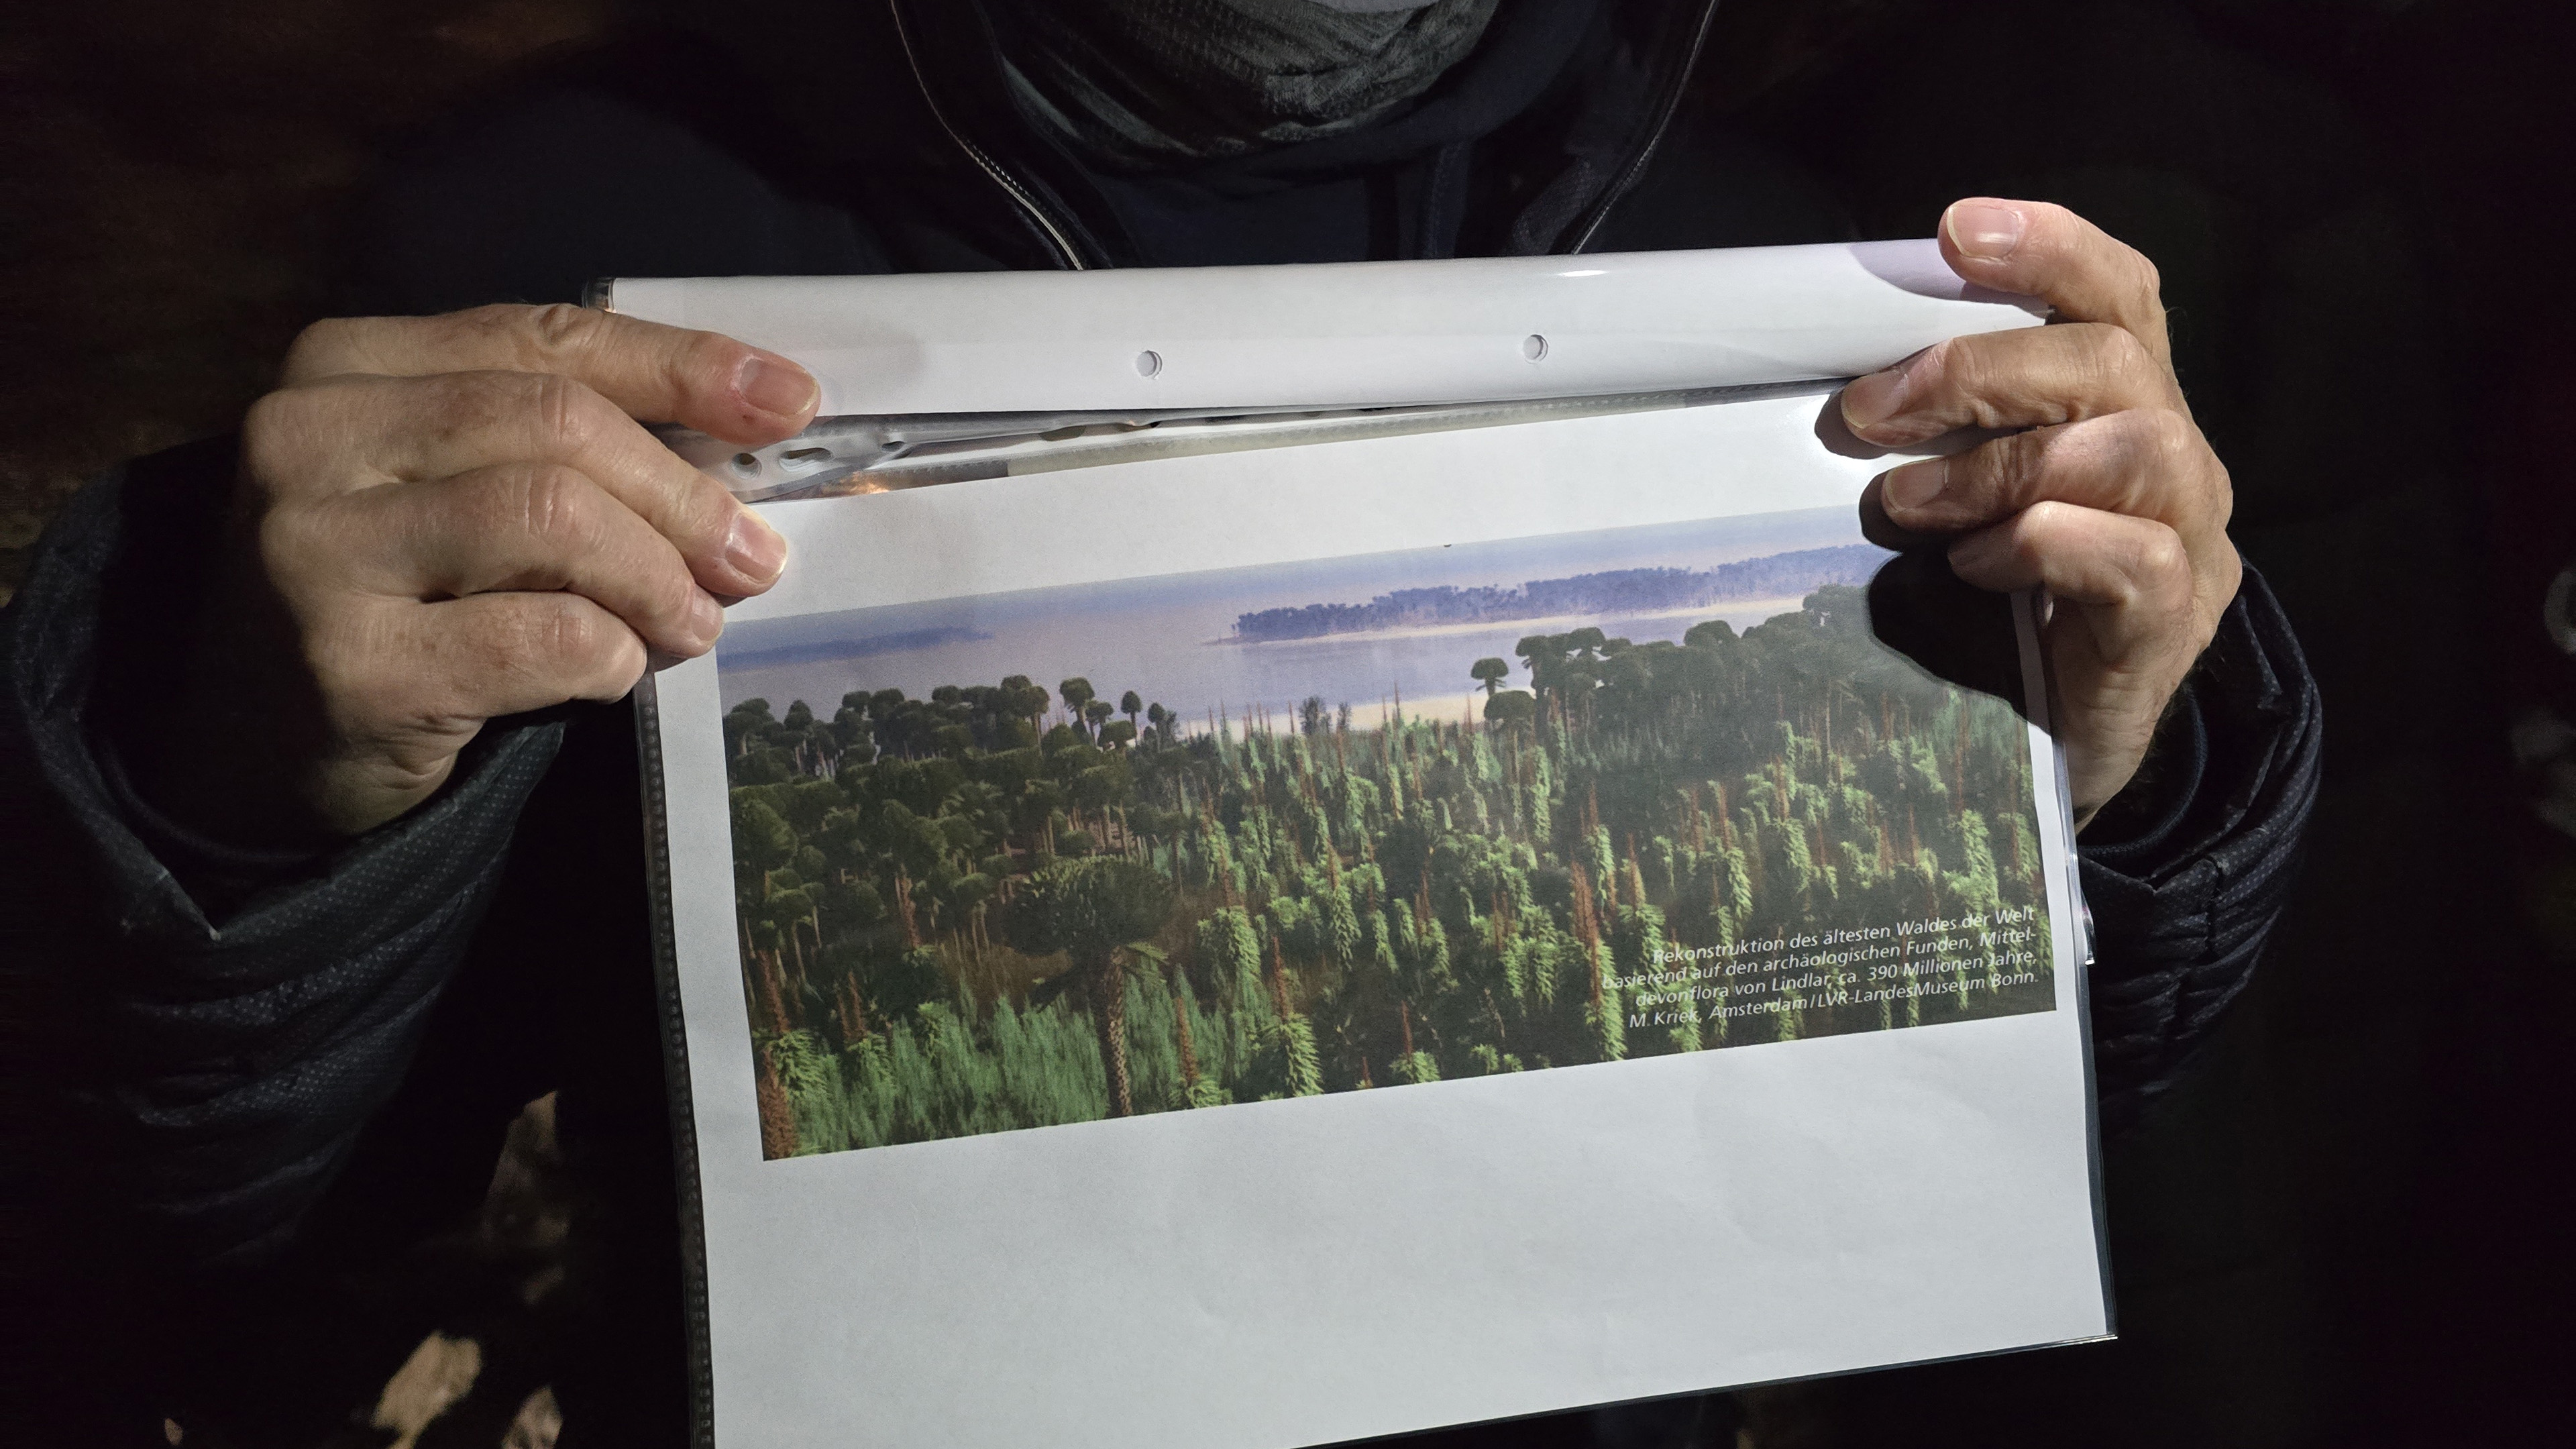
pixel 2106 493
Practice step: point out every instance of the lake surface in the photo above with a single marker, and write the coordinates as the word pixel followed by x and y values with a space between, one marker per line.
pixel 1169 640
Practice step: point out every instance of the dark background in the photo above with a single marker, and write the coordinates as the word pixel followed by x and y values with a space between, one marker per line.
pixel 2350 1226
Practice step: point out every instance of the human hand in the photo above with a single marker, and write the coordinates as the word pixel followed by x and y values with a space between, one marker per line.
pixel 442 520
pixel 2106 493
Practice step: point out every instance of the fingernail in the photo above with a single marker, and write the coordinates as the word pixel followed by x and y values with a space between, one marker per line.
pixel 1874 399
pixel 754 548
pixel 1983 229
pixel 773 384
pixel 706 617
pixel 1916 484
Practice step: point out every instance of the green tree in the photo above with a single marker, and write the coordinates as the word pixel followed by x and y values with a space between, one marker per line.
pixel 763 841
pixel 1489 672
pixel 1024 700
pixel 1076 693
pixel 1099 912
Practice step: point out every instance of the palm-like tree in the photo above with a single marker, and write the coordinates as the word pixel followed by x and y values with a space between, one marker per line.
pixel 1515 707
pixel 1076 692
pixel 1101 912
pixel 1024 699
pixel 1489 672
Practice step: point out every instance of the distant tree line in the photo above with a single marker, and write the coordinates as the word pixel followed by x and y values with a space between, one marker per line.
pixel 1620 591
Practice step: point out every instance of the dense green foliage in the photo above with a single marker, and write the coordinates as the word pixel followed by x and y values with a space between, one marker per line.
pixel 957 917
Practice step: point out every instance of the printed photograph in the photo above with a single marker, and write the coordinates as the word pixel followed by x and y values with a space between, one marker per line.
pixel 1068 854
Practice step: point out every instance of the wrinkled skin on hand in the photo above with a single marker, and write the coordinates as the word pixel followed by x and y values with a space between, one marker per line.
pixel 2102 490
pixel 443 520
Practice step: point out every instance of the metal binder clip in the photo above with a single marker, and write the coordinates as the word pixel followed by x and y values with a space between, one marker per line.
pixel 863 454
pixel 942 446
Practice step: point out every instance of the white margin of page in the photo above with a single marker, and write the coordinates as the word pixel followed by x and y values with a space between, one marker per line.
pixel 1367 1263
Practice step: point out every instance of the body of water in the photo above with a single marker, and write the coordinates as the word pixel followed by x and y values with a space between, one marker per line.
pixel 1169 640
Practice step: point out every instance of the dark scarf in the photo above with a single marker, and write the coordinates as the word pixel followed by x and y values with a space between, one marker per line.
pixel 1144 83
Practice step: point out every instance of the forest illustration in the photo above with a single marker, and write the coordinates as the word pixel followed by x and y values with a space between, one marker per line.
pixel 1035 900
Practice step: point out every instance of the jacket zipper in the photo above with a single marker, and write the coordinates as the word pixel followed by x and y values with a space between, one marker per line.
pixel 1635 170
pixel 1069 257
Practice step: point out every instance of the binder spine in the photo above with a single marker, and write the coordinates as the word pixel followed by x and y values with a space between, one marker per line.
pixel 675 1063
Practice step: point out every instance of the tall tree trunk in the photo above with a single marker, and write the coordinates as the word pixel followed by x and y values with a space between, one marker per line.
pixel 1189 1048
pixel 1110 996
pixel 773 993
pixel 777 1115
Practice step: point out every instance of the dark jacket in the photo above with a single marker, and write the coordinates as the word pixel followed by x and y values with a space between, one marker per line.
pixel 227 1049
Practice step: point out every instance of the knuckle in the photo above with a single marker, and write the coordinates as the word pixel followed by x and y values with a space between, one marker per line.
pixel 318 345
pixel 562 409
pixel 624 665
pixel 2023 461
pixel 2044 522
pixel 561 330
pixel 2220 494
pixel 707 361
pixel 571 634
pixel 553 505
pixel 493 332
pixel 2171 442
pixel 537 641
pixel 673 594
pixel 272 431
pixel 2030 546
pixel 2144 278
pixel 492 317
pixel 2162 562
pixel 700 515
pixel 2032 534
pixel 2159 464
pixel 1974 372
pixel 2114 355
pixel 566 645
pixel 1987 476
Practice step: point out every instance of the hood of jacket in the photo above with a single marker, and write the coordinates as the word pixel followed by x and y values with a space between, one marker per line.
pixel 1521 148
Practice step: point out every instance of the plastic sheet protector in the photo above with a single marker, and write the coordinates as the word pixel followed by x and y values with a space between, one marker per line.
pixel 1370 920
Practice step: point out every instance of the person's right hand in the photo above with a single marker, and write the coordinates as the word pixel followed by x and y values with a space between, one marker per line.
pixel 442 520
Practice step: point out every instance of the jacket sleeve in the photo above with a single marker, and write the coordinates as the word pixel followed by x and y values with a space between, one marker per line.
pixel 2186 883
pixel 197 1064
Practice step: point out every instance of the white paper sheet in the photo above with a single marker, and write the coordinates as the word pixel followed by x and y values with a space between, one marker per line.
pixel 1361 1262
pixel 1342 335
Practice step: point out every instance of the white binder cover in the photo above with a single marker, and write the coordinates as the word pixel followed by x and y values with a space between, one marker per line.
pixel 1513 940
